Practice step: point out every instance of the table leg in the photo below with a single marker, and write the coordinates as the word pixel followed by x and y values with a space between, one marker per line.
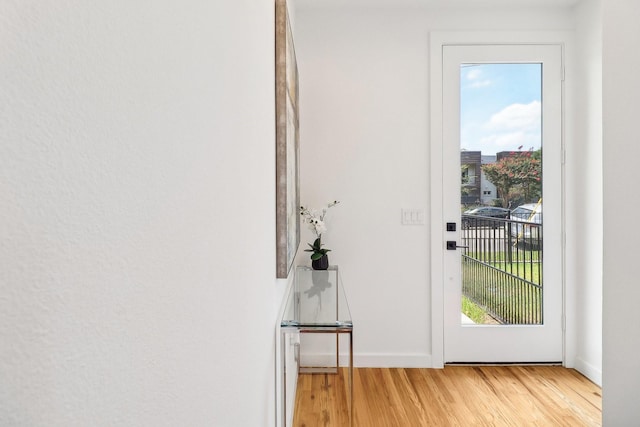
pixel 351 409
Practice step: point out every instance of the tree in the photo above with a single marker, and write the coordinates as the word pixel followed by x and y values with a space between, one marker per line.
pixel 517 176
pixel 464 179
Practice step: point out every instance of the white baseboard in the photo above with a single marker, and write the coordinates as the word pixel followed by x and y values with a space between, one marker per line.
pixel 392 360
pixel 321 359
pixel 371 360
pixel 590 371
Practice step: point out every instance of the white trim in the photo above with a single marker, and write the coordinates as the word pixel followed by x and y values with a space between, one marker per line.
pixel 280 417
pixel 437 240
pixel 590 371
pixel 393 360
pixel 439 39
pixel 368 360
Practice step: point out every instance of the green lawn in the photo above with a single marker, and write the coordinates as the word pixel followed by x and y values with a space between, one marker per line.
pixel 516 255
pixel 531 272
pixel 515 297
pixel 524 264
pixel 472 311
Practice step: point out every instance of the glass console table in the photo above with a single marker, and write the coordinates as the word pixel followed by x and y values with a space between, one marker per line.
pixel 316 304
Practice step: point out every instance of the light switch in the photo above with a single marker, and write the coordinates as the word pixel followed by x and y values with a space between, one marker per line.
pixel 412 216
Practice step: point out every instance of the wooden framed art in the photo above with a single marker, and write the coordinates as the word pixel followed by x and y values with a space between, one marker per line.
pixel 287 144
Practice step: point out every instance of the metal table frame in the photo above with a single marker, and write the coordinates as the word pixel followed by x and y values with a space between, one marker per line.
pixel 302 317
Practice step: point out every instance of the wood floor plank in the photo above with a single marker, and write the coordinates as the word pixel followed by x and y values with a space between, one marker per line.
pixel 454 396
pixel 420 388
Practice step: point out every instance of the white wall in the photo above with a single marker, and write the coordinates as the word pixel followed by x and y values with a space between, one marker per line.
pixel 583 205
pixel 137 269
pixel 365 138
pixel 621 91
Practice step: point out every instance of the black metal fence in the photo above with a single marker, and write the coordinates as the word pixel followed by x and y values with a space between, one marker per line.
pixel 502 267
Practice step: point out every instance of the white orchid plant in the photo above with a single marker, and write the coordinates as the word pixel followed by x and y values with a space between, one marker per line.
pixel 315 220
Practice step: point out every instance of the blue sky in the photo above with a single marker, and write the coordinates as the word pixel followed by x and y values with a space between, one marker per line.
pixel 500 107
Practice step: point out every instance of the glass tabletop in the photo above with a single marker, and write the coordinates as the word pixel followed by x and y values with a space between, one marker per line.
pixel 317 300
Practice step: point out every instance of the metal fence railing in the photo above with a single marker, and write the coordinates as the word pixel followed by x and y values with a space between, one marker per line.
pixel 502 267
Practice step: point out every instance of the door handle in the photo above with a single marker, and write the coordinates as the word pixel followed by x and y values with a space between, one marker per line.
pixel 452 245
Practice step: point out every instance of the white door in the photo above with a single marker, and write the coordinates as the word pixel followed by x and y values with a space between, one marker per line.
pixel 502 106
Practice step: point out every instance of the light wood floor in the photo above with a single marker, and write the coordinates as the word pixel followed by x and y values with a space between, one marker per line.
pixel 454 396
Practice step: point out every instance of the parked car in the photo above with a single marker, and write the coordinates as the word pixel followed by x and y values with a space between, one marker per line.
pixel 527 227
pixel 486 212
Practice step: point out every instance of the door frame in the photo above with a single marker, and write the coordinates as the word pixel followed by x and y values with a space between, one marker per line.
pixel 437 244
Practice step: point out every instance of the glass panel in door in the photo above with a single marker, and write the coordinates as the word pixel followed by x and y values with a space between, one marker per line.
pixel 501 193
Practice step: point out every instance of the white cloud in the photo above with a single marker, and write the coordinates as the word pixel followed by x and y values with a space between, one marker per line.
pixel 480 83
pixel 516 126
pixel 474 77
pixel 520 117
pixel 474 74
pixel 512 140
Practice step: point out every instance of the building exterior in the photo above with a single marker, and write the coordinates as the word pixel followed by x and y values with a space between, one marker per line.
pixel 476 188
pixel 489 193
pixel 470 163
